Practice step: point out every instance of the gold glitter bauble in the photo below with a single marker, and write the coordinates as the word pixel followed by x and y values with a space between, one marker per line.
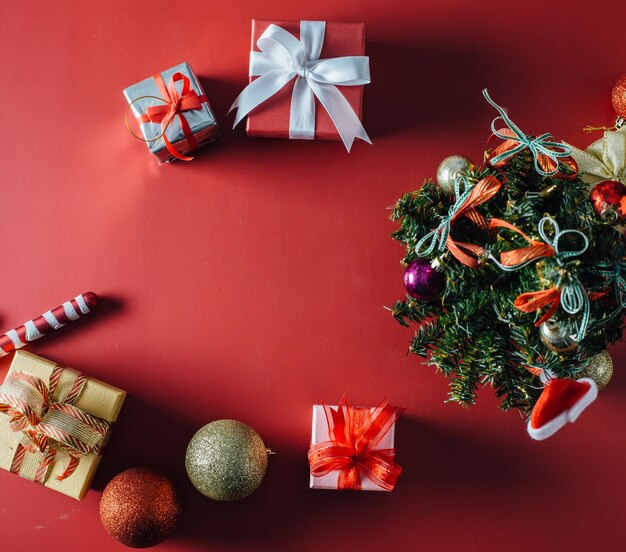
pixel 449 169
pixel 600 369
pixel 139 507
pixel 226 460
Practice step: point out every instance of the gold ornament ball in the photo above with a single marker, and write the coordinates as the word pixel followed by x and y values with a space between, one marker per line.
pixel 600 369
pixel 226 460
pixel 449 169
pixel 557 336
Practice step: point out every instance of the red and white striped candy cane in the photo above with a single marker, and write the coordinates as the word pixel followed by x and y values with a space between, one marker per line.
pixel 47 322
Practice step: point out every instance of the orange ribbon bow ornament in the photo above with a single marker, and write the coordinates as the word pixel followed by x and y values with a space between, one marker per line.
pixel 464 205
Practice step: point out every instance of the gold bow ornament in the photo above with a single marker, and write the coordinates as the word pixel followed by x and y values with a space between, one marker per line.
pixel 605 159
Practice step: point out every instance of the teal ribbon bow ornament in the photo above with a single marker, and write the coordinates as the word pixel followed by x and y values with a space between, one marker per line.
pixel 568 290
pixel 615 273
pixel 547 153
pixel 437 238
pixel 464 205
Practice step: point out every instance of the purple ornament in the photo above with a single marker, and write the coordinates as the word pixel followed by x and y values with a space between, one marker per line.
pixel 422 281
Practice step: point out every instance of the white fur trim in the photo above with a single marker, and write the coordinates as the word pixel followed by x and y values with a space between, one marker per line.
pixel 585 401
pixel 549 429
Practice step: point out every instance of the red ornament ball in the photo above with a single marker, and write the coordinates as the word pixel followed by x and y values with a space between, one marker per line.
pixel 422 281
pixel 139 507
pixel 609 200
pixel 618 96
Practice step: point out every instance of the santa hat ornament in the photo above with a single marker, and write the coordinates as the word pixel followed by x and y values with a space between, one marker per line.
pixel 561 401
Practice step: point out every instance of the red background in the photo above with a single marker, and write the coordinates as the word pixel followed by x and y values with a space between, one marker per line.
pixel 251 282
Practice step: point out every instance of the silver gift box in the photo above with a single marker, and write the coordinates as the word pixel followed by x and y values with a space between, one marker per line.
pixel 201 121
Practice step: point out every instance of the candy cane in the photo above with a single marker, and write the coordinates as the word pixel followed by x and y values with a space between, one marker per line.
pixel 47 322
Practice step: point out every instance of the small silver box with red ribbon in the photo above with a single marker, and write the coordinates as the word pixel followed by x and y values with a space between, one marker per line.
pixel 172 113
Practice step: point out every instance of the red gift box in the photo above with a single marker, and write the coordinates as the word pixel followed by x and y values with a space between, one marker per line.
pixel 271 118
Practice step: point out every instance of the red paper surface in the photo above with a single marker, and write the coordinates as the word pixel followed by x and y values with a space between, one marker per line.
pixel 271 119
pixel 250 283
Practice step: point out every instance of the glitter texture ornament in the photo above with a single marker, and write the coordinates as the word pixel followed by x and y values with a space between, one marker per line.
pixel 609 200
pixel 449 169
pixel 139 507
pixel 600 369
pixel 618 96
pixel 422 281
pixel 557 336
pixel 226 460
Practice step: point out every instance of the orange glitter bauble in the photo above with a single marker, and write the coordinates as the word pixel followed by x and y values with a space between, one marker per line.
pixel 618 96
pixel 139 507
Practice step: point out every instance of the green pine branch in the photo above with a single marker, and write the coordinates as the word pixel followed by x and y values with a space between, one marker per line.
pixel 472 332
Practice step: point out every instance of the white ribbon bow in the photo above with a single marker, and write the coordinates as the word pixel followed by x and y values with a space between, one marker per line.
pixel 605 159
pixel 283 57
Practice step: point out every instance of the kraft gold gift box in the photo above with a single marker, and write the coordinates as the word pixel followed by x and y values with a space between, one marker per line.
pixel 97 398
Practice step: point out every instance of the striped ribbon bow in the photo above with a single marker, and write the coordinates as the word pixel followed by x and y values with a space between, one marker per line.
pixel 550 247
pixel 546 152
pixel 354 434
pixel 523 256
pixel 464 204
pixel 568 291
pixel 50 425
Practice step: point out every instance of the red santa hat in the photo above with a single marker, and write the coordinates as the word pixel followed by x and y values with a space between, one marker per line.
pixel 561 401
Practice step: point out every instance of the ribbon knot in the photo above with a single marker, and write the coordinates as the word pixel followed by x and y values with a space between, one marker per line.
pixel 282 57
pixel 546 152
pixel 47 425
pixel 302 70
pixel 561 252
pixel 568 290
pixel 174 104
pixel 464 204
pixel 551 246
pixel 354 434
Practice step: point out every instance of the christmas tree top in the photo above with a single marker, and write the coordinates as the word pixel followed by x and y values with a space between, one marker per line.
pixel 515 273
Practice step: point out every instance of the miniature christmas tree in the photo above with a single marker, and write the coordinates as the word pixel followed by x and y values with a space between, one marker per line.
pixel 513 274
